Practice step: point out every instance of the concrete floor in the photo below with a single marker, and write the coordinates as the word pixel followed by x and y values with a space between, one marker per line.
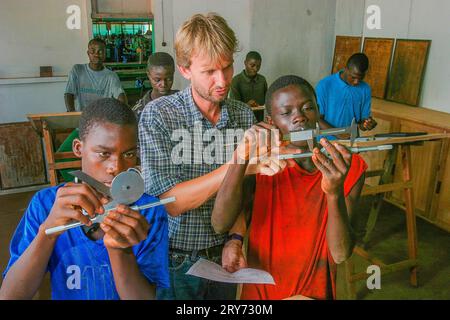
pixel 388 243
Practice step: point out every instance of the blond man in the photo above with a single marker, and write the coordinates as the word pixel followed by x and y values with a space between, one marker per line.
pixel 204 46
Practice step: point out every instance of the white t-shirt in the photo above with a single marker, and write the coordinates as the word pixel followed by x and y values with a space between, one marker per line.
pixel 88 85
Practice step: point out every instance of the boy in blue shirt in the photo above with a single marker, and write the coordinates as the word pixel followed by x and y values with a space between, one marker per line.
pixel 344 95
pixel 125 257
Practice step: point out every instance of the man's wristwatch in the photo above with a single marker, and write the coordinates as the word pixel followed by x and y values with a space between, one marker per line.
pixel 234 236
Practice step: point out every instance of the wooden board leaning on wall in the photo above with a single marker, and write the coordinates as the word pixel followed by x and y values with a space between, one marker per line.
pixel 407 72
pixel 344 47
pixel 379 52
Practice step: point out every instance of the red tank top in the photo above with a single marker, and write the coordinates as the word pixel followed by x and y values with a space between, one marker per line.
pixel 288 234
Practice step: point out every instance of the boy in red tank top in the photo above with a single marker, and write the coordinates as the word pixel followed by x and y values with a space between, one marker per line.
pixel 300 217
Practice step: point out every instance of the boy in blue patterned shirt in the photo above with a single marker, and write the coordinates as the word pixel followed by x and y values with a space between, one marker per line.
pixel 125 258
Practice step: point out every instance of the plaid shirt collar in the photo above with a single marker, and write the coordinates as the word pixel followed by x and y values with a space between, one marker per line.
pixel 225 120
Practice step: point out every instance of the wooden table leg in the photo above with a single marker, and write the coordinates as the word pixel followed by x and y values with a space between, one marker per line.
pixel 410 216
pixel 48 143
pixel 385 178
pixel 349 270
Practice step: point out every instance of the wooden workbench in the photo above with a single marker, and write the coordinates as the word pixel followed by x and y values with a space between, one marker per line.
pixel 431 170
pixel 402 149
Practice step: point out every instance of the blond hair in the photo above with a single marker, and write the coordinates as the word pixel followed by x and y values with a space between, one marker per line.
pixel 209 34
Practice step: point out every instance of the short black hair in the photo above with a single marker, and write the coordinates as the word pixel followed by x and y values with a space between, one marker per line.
pixel 106 110
pixel 160 59
pixel 358 61
pixel 97 40
pixel 253 55
pixel 283 82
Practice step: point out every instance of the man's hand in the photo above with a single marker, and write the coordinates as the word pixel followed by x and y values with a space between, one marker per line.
pixel 124 228
pixel 367 124
pixel 334 170
pixel 232 256
pixel 69 202
pixel 261 147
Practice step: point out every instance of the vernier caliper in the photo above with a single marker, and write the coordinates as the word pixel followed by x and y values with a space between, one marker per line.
pixel 126 188
pixel 309 135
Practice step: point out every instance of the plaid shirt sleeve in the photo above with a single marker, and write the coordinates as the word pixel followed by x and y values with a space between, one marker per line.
pixel 159 171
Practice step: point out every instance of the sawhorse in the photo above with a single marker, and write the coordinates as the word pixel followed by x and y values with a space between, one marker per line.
pixel 386 184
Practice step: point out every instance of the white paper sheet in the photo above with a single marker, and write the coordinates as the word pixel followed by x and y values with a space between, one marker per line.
pixel 212 271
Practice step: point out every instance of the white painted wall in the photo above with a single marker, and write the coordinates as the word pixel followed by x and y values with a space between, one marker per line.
pixel 124 6
pixel 19 99
pixel 408 19
pixel 293 37
pixel 34 34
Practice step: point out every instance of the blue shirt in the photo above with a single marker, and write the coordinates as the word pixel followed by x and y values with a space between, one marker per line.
pixel 340 102
pixel 79 267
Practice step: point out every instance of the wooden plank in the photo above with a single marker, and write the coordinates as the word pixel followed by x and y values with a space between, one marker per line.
pixel 344 47
pixel 379 52
pixel 410 216
pixel 21 161
pixel 61 120
pixel 392 110
pixel 369 190
pixel 438 192
pixel 64 155
pixel 443 206
pixel 49 155
pixel 424 165
pixel 408 69
pixel 399 140
pixel 65 165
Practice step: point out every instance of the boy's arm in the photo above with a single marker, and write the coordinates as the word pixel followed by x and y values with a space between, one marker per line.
pixel 193 193
pixel 25 276
pixel 233 257
pixel 71 90
pixel 131 284
pixel 234 91
pixel 334 172
pixel 123 98
pixel 230 197
pixel 367 122
pixel 69 100
pixel 340 236
pixel 125 228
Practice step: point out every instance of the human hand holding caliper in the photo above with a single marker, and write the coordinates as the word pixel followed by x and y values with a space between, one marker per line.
pixel 334 168
pixel 127 187
pixel 261 148
pixel 71 200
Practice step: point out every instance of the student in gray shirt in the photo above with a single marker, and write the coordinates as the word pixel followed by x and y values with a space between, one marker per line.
pixel 92 81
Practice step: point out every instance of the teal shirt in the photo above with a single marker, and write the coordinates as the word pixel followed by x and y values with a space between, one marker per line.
pixel 245 89
pixel 88 85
